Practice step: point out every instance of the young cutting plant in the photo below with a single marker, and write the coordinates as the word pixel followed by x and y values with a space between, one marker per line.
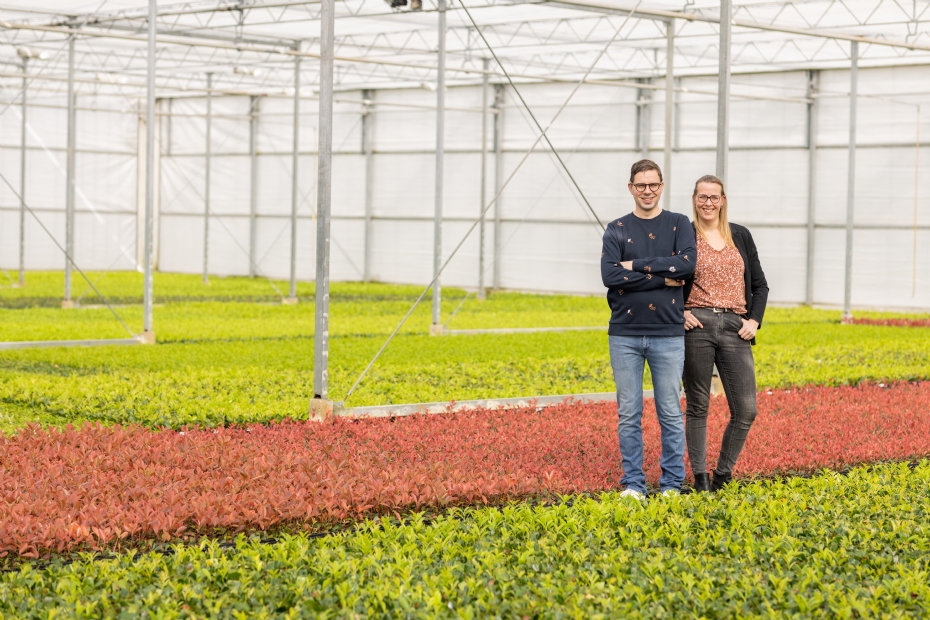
pixel 832 546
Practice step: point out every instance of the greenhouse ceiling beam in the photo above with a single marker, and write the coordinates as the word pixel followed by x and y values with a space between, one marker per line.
pixel 165 90
pixel 215 8
pixel 177 92
pixel 215 35
pixel 742 23
pixel 225 7
pixel 142 15
pixel 190 31
pixel 269 50
pixel 378 61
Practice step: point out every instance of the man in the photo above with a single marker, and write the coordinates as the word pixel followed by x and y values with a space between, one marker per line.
pixel 646 257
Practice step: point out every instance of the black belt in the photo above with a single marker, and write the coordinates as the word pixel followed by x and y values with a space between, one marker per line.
pixel 718 310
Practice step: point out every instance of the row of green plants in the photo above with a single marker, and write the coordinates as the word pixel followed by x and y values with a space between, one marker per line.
pixel 225 363
pixel 46 289
pixel 831 546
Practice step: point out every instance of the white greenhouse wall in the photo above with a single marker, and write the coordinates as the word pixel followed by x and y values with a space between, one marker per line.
pixel 549 240
pixel 105 182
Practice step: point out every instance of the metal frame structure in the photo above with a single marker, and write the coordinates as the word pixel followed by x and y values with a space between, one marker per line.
pixel 298 48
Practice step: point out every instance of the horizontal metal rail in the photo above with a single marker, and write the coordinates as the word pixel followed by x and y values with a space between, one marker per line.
pixel 515 220
pixel 386 411
pixel 522 330
pixel 47 344
pixel 467 219
pixel 475 151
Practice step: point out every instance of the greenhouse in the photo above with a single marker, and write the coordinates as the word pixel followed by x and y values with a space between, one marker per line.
pixel 249 247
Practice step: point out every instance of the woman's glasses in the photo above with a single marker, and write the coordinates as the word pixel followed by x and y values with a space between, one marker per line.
pixel 702 198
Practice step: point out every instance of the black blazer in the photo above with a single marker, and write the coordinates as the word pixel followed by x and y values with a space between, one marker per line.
pixel 757 289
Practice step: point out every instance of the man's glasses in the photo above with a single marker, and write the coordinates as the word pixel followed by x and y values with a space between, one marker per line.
pixel 701 198
pixel 641 187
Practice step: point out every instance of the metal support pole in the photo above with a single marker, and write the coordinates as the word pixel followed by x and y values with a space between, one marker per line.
pixel 148 334
pixel 253 181
pixel 295 175
pixel 723 89
pixel 168 129
pixel 484 175
pixel 676 132
pixel 639 120
pixel 644 121
pixel 22 182
pixel 812 109
pixel 436 327
pixel 368 150
pixel 498 178
pixel 206 189
pixel 69 189
pixel 324 196
pixel 851 178
pixel 669 106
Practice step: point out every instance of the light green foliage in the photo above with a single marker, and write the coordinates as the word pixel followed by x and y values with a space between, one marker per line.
pixel 220 362
pixel 828 547
pixel 45 288
pixel 803 346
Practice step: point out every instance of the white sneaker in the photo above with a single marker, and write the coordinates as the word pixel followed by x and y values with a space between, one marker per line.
pixel 670 493
pixel 633 493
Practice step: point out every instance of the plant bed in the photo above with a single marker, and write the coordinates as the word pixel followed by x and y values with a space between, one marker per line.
pixel 220 364
pixel 95 486
pixel 831 546
pixel 890 322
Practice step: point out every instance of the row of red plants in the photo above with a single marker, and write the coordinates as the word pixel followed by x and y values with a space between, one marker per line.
pixel 891 322
pixel 93 486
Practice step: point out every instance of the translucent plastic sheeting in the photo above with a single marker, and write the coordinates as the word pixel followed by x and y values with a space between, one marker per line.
pixel 105 182
pixel 549 241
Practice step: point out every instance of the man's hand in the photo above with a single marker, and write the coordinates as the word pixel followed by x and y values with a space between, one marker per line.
pixel 691 321
pixel 748 330
pixel 671 282
pixel 627 264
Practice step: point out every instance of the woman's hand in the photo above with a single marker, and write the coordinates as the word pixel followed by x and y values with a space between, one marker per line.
pixel 691 321
pixel 748 330
pixel 671 282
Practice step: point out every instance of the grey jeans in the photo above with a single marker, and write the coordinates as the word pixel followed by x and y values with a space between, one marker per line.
pixel 718 343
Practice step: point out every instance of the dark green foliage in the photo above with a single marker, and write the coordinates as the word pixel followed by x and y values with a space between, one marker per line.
pixel 833 546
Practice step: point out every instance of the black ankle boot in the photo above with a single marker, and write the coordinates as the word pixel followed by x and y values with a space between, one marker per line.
pixel 721 480
pixel 701 482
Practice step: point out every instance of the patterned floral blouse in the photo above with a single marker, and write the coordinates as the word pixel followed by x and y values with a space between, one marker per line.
pixel 718 278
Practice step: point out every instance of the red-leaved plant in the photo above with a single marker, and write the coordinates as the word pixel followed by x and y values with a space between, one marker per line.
pixel 88 487
pixel 890 322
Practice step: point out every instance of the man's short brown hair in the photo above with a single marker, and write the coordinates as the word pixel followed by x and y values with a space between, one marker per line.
pixel 642 166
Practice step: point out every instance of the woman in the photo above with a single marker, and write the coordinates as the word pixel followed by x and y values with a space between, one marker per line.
pixel 724 303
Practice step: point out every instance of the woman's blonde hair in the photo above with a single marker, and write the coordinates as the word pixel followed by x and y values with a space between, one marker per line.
pixel 723 225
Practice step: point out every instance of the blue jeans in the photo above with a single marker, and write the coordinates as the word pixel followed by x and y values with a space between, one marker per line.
pixel 666 357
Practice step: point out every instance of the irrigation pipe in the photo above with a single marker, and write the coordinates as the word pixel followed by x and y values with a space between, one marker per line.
pixel 490 204
pixel 65 252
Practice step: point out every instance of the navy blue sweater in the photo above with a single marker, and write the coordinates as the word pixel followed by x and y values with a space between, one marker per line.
pixel 640 302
